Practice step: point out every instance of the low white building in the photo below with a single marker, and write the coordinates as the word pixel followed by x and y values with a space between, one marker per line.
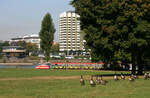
pixel 34 38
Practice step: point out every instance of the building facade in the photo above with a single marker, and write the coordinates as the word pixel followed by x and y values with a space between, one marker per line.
pixel 14 51
pixel 70 41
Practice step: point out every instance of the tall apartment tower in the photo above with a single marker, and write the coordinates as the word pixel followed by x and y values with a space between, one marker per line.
pixel 69 33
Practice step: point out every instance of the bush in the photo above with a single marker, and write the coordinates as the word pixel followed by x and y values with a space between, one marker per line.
pixel 33 58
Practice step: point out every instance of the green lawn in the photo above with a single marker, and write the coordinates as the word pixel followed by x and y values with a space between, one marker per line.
pixel 67 88
pixel 72 89
pixel 36 72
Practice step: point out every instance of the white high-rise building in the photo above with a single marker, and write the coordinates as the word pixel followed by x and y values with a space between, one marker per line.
pixel 69 33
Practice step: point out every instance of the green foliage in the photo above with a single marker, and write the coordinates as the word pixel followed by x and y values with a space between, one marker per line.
pixel 31 48
pixel 1 47
pixel 3 44
pixel 115 28
pixel 47 35
pixel 55 48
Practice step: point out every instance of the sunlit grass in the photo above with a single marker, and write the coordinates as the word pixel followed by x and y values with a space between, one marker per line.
pixel 67 88
pixel 72 89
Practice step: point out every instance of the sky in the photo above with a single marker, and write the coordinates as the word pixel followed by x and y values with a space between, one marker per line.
pixel 24 17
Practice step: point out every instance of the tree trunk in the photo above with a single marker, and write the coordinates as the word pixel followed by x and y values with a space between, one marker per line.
pixel 47 56
pixel 140 64
pixel 133 64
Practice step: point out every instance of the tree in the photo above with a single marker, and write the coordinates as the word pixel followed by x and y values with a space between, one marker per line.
pixel 55 48
pixel 47 35
pixel 31 48
pixel 115 27
pixel 2 44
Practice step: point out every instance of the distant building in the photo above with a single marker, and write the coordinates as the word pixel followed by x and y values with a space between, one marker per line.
pixel 14 51
pixel 70 41
pixel 34 38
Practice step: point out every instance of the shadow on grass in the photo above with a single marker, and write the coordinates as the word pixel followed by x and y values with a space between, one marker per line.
pixel 108 75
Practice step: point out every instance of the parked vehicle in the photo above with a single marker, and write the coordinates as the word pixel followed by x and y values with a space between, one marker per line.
pixel 69 57
pixel 55 56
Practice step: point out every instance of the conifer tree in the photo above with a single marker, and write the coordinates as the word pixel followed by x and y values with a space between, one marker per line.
pixel 47 35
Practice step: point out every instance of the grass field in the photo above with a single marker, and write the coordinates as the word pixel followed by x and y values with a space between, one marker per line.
pixel 36 72
pixel 67 88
